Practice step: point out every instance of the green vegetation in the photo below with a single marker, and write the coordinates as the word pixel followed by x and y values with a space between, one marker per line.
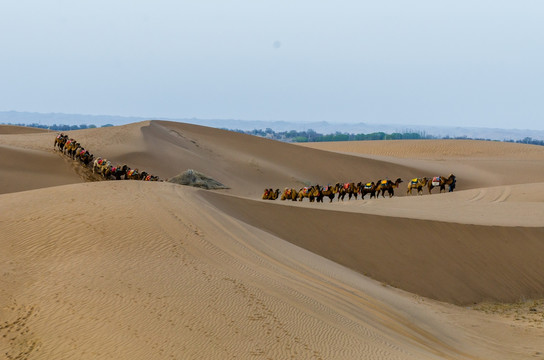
pixel 61 127
pixel 312 136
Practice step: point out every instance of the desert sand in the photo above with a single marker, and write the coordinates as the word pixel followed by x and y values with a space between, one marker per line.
pixel 154 270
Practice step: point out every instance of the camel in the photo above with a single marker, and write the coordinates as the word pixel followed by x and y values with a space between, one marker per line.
pixel 78 152
pixel 60 141
pixel 102 166
pixel 154 178
pixel 309 192
pixel 133 174
pixel 417 183
pixel 84 156
pixel 119 171
pixel 368 188
pixel 387 185
pixel 329 191
pixel 318 193
pixel 143 175
pixel 347 188
pixel 289 194
pixel 266 193
pixel 270 194
pixel 71 149
pixel 441 182
pixel 68 145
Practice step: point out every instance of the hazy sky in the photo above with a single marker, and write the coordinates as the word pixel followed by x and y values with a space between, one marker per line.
pixel 465 63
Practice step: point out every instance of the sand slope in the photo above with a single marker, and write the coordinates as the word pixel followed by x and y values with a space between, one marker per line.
pixel 155 272
pixel 126 269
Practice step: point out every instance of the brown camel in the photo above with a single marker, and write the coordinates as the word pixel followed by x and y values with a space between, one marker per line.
pixel 387 185
pixel 368 188
pixel 289 194
pixel 119 171
pixel 417 183
pixel 349 189
pixel 60 141
pixel 309 192
pixel 68 145
pixel 84 156
pixel 270 194
pixel 329 191
pixel 133 174
pixel 71 149
pixel 441 182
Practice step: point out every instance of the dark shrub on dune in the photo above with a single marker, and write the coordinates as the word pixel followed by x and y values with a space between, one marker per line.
pixel 196 179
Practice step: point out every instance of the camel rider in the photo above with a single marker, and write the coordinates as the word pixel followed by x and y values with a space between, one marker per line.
pixel 452 185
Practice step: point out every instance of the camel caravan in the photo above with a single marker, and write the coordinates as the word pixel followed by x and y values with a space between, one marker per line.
pixel 104 167
pixel 317 193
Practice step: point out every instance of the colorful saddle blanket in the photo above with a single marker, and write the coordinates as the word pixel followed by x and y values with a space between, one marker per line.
pixel 368 186
pixel 436 181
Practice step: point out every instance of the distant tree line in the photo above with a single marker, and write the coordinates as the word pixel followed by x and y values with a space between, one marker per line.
pixel 60 127
pixel 308 135
pixel 312 136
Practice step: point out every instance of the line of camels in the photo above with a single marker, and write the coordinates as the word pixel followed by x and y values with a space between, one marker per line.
pixel 104 167
pixel 374 189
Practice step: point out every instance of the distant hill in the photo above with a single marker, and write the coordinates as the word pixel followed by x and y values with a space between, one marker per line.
pixel 323 127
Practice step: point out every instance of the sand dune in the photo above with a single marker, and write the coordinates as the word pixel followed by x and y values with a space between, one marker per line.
pixel 436 149
pixel 129 269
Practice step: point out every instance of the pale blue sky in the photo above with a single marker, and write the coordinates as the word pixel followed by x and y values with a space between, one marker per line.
pixel 457 63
